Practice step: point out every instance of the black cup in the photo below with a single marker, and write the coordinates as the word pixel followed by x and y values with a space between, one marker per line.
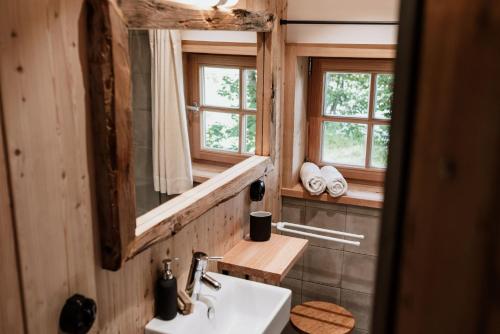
pixel 260 225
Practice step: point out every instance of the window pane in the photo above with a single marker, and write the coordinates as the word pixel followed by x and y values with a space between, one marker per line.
pixel 250 78
pixel 344 143
pixel 379 146
pixel 249 144
pixel 221 131
pixel 384 96
pixel 346 94
pixel 220 87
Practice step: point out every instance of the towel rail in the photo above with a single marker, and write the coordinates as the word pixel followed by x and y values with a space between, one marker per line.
pixel 282 226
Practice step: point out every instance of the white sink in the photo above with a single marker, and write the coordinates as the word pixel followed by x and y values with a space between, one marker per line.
pixel 241 307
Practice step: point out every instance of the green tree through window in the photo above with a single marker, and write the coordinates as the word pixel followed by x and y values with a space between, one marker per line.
pixel 348 95
pixel 222 129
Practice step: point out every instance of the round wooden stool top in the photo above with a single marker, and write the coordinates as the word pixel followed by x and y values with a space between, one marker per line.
pixel 316 317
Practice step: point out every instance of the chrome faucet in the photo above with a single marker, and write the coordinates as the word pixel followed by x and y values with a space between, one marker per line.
pixel 197 275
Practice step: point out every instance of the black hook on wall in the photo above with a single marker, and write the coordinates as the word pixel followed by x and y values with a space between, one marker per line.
pixel 77 315
pixel 257 190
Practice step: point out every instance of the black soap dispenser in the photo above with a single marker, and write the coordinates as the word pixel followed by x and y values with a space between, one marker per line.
pixel 166 293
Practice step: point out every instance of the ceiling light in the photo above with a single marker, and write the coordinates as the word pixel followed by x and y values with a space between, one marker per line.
pixel 209 3
pixel 199 3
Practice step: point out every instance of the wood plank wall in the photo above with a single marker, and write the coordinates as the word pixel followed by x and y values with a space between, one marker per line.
pixel 125 298
pixel 45 119
pixel 11 312
pixel 47 125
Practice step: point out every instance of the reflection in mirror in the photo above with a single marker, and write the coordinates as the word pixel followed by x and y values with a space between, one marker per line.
pixel 194 108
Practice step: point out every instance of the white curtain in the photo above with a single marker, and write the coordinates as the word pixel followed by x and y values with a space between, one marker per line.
pixel 172 168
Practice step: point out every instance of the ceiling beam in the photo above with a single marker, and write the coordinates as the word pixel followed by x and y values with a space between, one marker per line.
pixel 163 14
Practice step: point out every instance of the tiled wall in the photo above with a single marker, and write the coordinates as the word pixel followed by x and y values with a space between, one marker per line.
pixel 140 59
pixel 333 272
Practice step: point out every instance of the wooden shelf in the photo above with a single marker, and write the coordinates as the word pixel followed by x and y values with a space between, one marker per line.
pixel 358 194
pixel 270 260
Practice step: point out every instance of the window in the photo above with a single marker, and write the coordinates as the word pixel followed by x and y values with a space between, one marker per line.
pixel 224 87
pixel 349 115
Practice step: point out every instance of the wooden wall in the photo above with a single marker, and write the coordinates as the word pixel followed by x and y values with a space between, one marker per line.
pixel 294 140
pixel 125 298
pixel 441 228
pixel 450 259
pixel 11 314
pixel 48 155
pixel 45 122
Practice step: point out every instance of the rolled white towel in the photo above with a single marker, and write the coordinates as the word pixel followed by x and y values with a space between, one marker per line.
pixel 336 185
pixel 312 179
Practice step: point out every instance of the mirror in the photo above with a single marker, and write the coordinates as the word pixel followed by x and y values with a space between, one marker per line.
pixel 194 108
pixel 116 86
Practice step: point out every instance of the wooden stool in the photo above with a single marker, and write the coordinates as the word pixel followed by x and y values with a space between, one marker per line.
pixel 316 317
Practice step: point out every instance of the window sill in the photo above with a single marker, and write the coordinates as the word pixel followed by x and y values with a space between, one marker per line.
pixel 358 194
pixel 204 171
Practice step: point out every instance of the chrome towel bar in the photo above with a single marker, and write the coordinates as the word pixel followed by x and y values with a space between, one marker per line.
pixel 283 226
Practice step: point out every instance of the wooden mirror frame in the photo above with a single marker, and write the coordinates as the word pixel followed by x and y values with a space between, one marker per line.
pixel 111 112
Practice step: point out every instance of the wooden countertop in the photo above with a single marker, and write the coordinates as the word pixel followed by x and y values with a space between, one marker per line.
pixel 269 260
pixel 358 194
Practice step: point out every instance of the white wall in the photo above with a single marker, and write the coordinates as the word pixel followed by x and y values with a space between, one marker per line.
pixel 347 10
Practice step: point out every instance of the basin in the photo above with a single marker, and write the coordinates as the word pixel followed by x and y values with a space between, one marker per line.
pixel 241 307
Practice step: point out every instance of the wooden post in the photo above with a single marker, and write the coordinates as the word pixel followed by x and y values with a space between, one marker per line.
pixel 270 60
pixel 439 259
